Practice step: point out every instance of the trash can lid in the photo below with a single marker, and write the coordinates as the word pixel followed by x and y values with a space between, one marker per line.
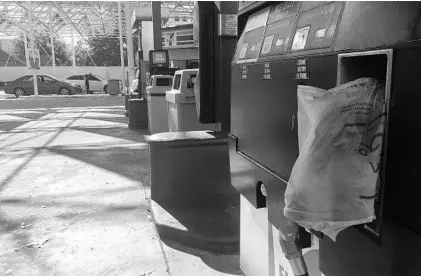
pixel 188 138
pixel 137 100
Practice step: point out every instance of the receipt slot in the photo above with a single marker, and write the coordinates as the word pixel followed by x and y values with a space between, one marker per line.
pixel 182 114
pixel 157 104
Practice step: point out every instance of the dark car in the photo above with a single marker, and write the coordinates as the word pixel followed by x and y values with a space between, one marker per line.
pixel 47 84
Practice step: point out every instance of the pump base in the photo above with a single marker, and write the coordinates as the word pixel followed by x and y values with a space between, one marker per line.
pixel 210 225
pixel 260 251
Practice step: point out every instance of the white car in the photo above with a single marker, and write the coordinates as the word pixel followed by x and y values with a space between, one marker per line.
pixel 95 83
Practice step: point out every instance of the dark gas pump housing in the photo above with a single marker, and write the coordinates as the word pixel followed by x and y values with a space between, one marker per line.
pixel 215 54
pixel 321 44
pixel 324 44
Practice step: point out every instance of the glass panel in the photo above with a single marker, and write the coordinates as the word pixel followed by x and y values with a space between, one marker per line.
pixel 92 78
pixel 191 81
pixel 177 80
pixel 184 37
pixel 191 42
pixel 184 33
pixel 163 82
pixel 48 79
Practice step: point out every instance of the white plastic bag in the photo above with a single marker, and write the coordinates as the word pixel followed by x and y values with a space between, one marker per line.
pixel 334 180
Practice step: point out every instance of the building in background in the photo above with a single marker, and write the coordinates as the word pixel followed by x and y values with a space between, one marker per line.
pixel 182 49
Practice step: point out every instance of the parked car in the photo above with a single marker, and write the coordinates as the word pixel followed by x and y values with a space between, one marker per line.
pixel 95 83
pixel 47 84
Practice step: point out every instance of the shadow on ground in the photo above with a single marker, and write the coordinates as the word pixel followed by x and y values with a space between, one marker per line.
pixel 106 156
pixel 210 231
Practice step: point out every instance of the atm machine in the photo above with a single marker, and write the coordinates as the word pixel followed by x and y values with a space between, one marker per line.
pixel 279 46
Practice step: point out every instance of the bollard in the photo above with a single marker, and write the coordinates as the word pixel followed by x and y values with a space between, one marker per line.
pixel 126 104
pixel 190 187
pixel 138 113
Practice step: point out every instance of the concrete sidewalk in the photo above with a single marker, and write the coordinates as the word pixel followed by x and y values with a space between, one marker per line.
pixel 74 196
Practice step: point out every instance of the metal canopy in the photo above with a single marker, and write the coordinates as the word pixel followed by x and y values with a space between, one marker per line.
pixel 84 19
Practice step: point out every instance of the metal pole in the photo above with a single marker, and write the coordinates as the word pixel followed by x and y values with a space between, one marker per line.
pixel 140 61
pixel 156 21
pixel 129 41
pixel 32 45
pixel 53 54
pixel 25 41
pixel 73 51
pixel 121 46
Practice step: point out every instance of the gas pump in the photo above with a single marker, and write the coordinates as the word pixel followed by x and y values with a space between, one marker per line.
pixel 279 46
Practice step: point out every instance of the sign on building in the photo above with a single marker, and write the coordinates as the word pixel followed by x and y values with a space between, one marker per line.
pixel 178 39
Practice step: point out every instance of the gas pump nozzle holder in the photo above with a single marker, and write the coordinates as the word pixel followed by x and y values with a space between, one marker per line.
pixel 291 246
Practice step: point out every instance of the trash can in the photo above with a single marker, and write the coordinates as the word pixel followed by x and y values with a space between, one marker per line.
pixel 181 104
pixel 157 104
pixel 113 86
pixel 127 97
pixel 190 189
pixel 138 114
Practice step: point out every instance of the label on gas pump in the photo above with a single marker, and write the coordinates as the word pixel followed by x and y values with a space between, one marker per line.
pixel 266 71
pixel 302 72
pixel 267 44
pixel 300 39
pixel 316 27
pixel 227 25
pixel 277 38
pixel 243 69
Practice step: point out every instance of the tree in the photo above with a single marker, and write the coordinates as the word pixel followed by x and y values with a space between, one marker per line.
pixel 81 52
pixel 105 51
pixel 61 49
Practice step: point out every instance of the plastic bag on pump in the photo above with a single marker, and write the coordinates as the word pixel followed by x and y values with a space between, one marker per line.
pixel 334 180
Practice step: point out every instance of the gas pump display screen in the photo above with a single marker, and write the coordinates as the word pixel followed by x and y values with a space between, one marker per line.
pixel 159 58
pixel 316 27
